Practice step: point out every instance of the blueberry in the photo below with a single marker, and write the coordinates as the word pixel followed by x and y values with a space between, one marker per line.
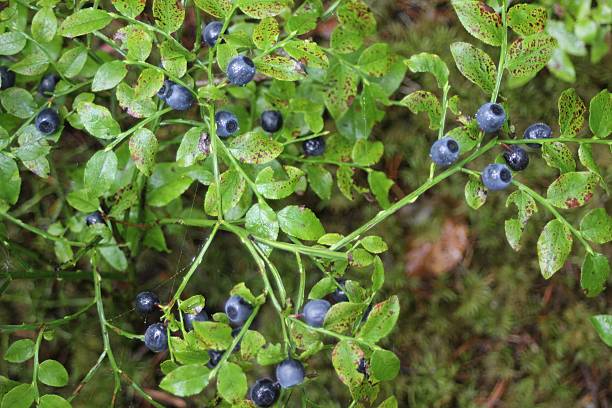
pixel 94 218
pixel 362 367
pixel 146 302
pixel 237 310
pixel 177 96
pixel 315 311
pixel 47 121
pixel 537 131
pixel 491 117
pixel 496 176
pixel 314 147
pixel 444 152
pixel 164 90
pixel 516 158
pixel 264 392
pixel 156 337
pixel 210 33
pixel 271 121
pixel 227 124
pixel 240 70
pixel 215 357
pixel 189 318
pixel 7 78
pixel 339 295
pixel 47 84
pixel 289 373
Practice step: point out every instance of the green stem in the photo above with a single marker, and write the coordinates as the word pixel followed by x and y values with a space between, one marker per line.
pixel 282 293
pixel 121 332
pixel 302 288
pixel 240 170
pixel 503 52
pixel 558 139
pixel 36 361
pixel 39 232
pixel 88 376
pixel 321 161
pixel 9 328
pixel 140 391
pixel 333 334
pixel 122 136
pixel 302 249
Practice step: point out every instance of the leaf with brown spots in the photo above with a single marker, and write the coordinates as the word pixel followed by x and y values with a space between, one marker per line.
pixel 381 320
pixel 255 147
pixel 263 8
pixel 480 20
pixel 527 19
pixel 129 8
pixel 265 33
pixel 571 113
pixel 573 189
pixel 143 147
pixel 342 316
pixel 554 245
pixel 424 101
pixel 528 55
pixel 280 67
pixel 558 155
pixel 514 227
pixel 475 65
pixel 216 8
pixel 356 15
pixel 169 15
pixel 307 53
pixel 340 90
pixel 345 359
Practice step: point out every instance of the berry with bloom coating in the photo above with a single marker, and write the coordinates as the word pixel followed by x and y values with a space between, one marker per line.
pixel 315 311
pixel 339 295
pixel 496 176
pixel 537 131
pixel 156 337
pixel 215 356
pixel 94 218
pixel 7 78
pixel 271 121
pixel 237 310
pixel 146 302
pixel 47 121
pixel 227 124
pixel 240 70
pixel 289 373
pixel 491 117
pixel 189 318
pixel 362 367
pixel 516 158
pixel 47 84
pixel 177 96
pixel 314 147
pixel 210 33
pixel 444 152
pixel 264 392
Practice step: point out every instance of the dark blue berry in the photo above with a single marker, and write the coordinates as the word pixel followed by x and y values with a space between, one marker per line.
pixel 315 312
pixel 47 121
pixel 210 33
pixel 177 96
pixel 156 337
pixel 240 70
pixel 237 310
pixel 227 124
pixel 164 90
pixel 339 295
pixel 271 121
pixel 215 356
pixel 146 302
pixel 7 78
pixel 289 373
pixel 537 131
pixel 491 117
pixel 516 158
pixel 314 147
pixel 362 367
pixel 94 218
pixel 496 176
pixel 189 318
pixel 264 392
pixel 444 152
pixel 47 84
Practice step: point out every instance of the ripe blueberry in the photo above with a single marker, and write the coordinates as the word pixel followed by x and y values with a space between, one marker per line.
pixel 315 311
pixel 176 96
pixel 146 302
pixel 339 295
pixel 47 121
pixel 7 78
pixel 271 121
pixel 516 158
pixel 362 367
pixel 237 310
pixel 215 356
pixel 537 131
pixel 496 176
pixel 264 392
pixel 444 152
pixel 289 373
pixel 314 147
pixel 94 218
pixel 240 70
pixel 210 33
pixel 156 337
pixel 189 318
pixel 47 84
pixel 227 124
pixel 491 117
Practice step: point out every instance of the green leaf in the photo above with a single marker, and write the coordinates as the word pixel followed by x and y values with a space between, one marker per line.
pixel 340 90
pixel 345 359
pixel 594 274
pixel 300 222
pixel 571 113
pixel 558 155
pixel 53 401
pixel 169 15
pixel 11 43
pixel 32 64
pixel 380 185
pixel 262 8
pixel 10 181
pixel 304 18
pixel 44 25
pixel 480 20
pixel 561 66
pixel 603 326
pixel 98 120
pixel 475 65
pixel 18 102
pixel 566 40
pixel 255 147
pixel 381 320
pixel 135 107
pixel 554 245
pixel 143 147
pixel 251 343
pixel 384 365
pixel 527 19
pixel 52 373
pixel 345 40
pixel 596 226
pixel 216 8
pixel 265 34
pixel 426 62
pixel 149 82
pixel 261 221
pixel 375 60
pixel 108 76
pixel 100 172
pixel 232 188
pixel 374 244
pixel 232 382
pixel 129 8
pixel 424 101
pixel 84 21
pixel 186 380
pixel 280 67
pixel 390 402
pixel 572 190
pixel 475 192
pixel 320 181
pixel 270 354
pixel 213 335
pixel 322 288
pixel 20 351
pixel 366 153
pixel 356 15
pixel 173 59
pixel 137 41
pixel 82 201
pixel 72 61
pixel 600 114
pixel 528 55
pixel 193 148
pixel 344 179
pixel 21 396
pixel 341 317
pixel 165 185
pixel 275 188
pixel 307 53
pixel 585 154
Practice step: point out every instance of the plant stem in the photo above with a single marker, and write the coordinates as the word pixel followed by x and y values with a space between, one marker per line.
pixel 88 376
pixel 123 135
pixel 39 232
pixel 124 333
pixel 302 287
pixel 332 334
pixel 558 139
pixel 36 361
pixel 9 328
pixel 502 55
pixel 302 249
